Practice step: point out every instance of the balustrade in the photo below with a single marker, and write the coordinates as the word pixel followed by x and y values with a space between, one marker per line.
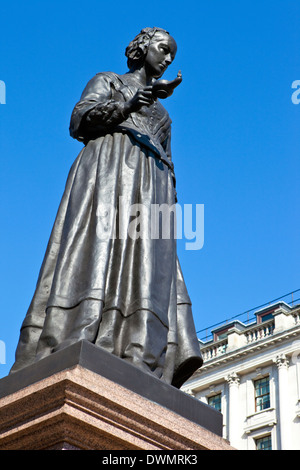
pixel 296 316
pixel 214 349
pixel 260 331
pixel 251 335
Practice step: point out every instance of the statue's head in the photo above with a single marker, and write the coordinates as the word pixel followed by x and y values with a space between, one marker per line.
pixel 149 38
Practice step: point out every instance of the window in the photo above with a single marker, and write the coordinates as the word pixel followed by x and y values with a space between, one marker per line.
pixel 266 317
pixel 262 394
pixel 264 443
pixel 222 335
pixel 215 401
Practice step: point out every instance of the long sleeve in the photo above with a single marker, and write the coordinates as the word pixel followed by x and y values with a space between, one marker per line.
pixel 100 108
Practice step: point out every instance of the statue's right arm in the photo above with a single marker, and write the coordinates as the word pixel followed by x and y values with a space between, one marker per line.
pixel 100 110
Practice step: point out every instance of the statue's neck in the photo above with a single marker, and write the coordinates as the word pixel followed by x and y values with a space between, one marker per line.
pixel 141 77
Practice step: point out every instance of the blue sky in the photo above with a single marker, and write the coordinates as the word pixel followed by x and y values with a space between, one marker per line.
pixel 235 138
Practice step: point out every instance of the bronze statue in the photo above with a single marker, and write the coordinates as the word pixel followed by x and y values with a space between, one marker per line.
pixel 124 293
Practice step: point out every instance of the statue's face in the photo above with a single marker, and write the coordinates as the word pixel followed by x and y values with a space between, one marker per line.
pixel 160 54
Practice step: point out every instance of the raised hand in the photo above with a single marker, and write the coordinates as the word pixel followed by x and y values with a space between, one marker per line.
pixel 143 97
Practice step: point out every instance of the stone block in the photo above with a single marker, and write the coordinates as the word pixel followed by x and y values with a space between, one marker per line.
pixel 64 402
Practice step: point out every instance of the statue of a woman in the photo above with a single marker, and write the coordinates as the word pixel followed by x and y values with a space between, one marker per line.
pixel 124 293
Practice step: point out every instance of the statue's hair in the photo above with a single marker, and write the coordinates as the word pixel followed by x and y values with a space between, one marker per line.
pixel 137 49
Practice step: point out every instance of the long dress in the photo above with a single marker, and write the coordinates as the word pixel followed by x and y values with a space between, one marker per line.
pixel 105 278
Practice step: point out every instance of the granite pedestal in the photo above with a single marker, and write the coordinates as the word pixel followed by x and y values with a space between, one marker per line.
pixel 84 398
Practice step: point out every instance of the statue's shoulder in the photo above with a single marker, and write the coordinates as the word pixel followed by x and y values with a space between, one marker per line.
pixel 108 76
pixel 112 75
pixel 100 82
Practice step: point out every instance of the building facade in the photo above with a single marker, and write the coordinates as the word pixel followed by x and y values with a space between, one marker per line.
pixel 251 373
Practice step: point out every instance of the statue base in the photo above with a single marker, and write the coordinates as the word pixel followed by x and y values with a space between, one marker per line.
pixel 83 398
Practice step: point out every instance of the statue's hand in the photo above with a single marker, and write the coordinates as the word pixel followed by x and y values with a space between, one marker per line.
pixel 143 97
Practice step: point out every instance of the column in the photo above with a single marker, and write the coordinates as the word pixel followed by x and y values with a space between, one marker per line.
pixel 233 418
pixel 284 415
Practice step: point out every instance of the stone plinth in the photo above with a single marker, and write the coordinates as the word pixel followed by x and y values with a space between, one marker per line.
pixel 78 408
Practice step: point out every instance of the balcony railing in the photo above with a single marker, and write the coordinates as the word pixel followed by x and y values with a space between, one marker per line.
pixel 241 335
pixel 259 331
pixel 215 349
pixel 252 334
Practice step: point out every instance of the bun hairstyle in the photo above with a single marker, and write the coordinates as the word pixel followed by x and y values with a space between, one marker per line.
pixel 137 49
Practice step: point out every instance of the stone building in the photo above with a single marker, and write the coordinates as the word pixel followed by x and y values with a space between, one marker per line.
pixel 251 373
